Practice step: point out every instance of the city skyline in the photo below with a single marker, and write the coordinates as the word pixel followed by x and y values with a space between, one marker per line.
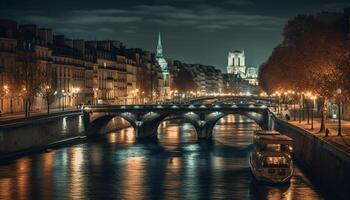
pixel 185 25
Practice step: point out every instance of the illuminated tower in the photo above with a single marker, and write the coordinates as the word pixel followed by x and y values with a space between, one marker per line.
pixel 160 59
pixel 236 63
pixel 165 86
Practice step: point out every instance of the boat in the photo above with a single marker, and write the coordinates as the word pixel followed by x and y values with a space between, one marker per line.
pixel 271 159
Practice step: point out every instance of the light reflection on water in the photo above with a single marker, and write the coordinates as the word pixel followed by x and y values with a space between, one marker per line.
pixel 177 167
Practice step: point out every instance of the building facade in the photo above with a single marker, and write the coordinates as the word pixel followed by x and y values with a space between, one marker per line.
pixel 85 72
pixel 237 65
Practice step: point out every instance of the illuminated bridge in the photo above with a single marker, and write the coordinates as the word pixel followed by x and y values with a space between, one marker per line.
pixel 145 119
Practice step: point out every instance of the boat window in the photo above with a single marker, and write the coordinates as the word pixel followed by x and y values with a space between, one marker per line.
pixel 275 162
pixel 273 147
pixel 287 148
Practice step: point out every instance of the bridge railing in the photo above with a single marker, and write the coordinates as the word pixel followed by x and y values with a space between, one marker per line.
pixel 177 106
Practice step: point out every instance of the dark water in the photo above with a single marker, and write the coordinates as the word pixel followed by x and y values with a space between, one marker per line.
pixel 178 167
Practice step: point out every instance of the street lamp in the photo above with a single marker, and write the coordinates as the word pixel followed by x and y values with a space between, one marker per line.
pixel 308 96
pixel 7 91
pixel 76 92
pixel 339 111
pixel 63 99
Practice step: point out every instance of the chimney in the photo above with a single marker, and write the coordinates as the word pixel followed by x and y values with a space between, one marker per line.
pixel 79 45
pixel 92 44
pixel 9 26
pixel 46 35
pixel 29 28
pixel 68 42
pixel 58 40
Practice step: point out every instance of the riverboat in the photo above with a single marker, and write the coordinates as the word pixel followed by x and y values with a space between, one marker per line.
pixel 271 159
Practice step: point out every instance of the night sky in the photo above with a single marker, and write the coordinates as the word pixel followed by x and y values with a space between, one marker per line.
pixel 194 31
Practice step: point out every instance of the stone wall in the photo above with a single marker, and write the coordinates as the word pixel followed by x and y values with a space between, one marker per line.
pixel 326 164
pixel 37 134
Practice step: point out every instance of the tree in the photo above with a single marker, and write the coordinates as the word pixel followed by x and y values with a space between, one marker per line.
pixel 184 81
pixel 27 78
pixel 48 85
pixel 307 60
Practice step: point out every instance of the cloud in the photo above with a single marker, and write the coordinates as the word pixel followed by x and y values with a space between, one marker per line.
pixel 212 27
pixel 335 6
pixel 96 19
pixel 130 29
pixel 71 30
pixel 201 16
pixel 106 30
pixel 214 18
pixel 241 2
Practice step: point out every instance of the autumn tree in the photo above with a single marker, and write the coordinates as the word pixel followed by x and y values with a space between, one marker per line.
pixel 306 60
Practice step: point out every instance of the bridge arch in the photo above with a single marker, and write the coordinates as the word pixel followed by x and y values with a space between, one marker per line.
pixel 151 123
pixel 98 124
pixel 212 119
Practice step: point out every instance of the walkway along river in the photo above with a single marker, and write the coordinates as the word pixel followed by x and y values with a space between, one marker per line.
pixel 117 167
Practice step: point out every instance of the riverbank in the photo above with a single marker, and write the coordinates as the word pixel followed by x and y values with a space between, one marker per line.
pixel 23 137
pixel 326 163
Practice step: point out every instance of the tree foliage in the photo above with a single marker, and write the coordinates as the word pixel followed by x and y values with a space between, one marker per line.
pixel 308 59
pixel 48 85
pixel 183 81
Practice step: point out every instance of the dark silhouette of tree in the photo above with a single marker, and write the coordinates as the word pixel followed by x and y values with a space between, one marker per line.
pixel 27 78
pixel 49 85
pixel 183 81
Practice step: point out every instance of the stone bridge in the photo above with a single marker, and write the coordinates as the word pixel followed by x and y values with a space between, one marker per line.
pixel 145 119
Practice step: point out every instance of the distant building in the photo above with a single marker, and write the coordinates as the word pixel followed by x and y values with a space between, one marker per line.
pixel 236 65
pixel 165 80
pixel 233 83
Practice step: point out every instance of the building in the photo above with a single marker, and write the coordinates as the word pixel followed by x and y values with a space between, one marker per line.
pixel 163 82
pixel 84 72
pixel 237 65
pixel 233 83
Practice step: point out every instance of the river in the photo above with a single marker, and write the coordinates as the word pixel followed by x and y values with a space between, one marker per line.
pixel 116 166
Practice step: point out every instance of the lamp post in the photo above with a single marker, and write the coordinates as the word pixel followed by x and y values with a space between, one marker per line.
pixel 7 92
pixel 76 92
pixel 294 111
pixel 312 111
pixel 299 96
pixel 95 95
pixel 303 106
pixel 63 99
pixel 339 112
pixel 308 96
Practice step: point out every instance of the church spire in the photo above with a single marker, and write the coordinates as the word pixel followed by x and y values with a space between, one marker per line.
pixel 159 47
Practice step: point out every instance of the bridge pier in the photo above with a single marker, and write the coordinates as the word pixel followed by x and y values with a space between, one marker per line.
pixel 204 132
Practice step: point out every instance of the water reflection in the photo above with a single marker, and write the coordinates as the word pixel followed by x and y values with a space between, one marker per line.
pixel 175 167
pixel 76 173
